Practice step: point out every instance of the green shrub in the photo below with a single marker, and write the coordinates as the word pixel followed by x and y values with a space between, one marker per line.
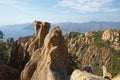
pixel 74 63
pixel 3 52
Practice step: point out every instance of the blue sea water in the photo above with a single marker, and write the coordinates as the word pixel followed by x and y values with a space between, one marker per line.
pixel 16 32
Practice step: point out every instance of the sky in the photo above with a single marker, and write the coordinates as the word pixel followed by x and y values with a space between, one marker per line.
pixel 24 11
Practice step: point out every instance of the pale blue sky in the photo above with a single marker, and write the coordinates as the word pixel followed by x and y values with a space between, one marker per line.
pixel 22 11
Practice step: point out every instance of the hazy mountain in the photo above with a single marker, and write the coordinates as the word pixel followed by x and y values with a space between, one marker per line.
pixel 26 29
pixel 88 26
pixel 85 27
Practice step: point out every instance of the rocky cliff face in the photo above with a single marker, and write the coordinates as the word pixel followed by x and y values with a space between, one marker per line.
pixel 49 60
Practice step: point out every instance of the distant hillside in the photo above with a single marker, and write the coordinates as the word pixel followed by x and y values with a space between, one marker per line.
pixel 18 30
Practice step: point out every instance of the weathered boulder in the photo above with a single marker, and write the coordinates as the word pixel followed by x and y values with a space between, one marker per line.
pixel 82 75
pixel 50 61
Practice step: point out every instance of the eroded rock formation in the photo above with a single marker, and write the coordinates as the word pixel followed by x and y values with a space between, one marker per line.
pixel 16 58
pixel 41 30
pixel 53 64
pixel 21 51
pixel 9 43
pixel 48 56
pixel 89 50
pixel 112 36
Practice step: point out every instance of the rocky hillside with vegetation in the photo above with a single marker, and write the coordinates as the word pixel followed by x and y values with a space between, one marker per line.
pixel 95 49
pixel 48 55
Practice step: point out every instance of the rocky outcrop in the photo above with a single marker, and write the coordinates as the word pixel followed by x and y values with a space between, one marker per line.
pixel 47 59
pixel 113 37
pixel 16 58
pixel 9 43
pixel 53 64
pixel 21 51
pixel 106 73
pixel 75 39
pixel 41 30
pixel 90 50
pixel 7 72
pixel 36 42
pixel 13 56
pixel 82 75
pixel 48 56
pixel 110 35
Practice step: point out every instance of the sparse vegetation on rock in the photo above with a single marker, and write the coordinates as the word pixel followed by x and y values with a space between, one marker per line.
pixel 90 49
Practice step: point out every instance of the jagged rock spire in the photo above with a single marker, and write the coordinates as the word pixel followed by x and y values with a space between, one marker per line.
pixel 48 61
